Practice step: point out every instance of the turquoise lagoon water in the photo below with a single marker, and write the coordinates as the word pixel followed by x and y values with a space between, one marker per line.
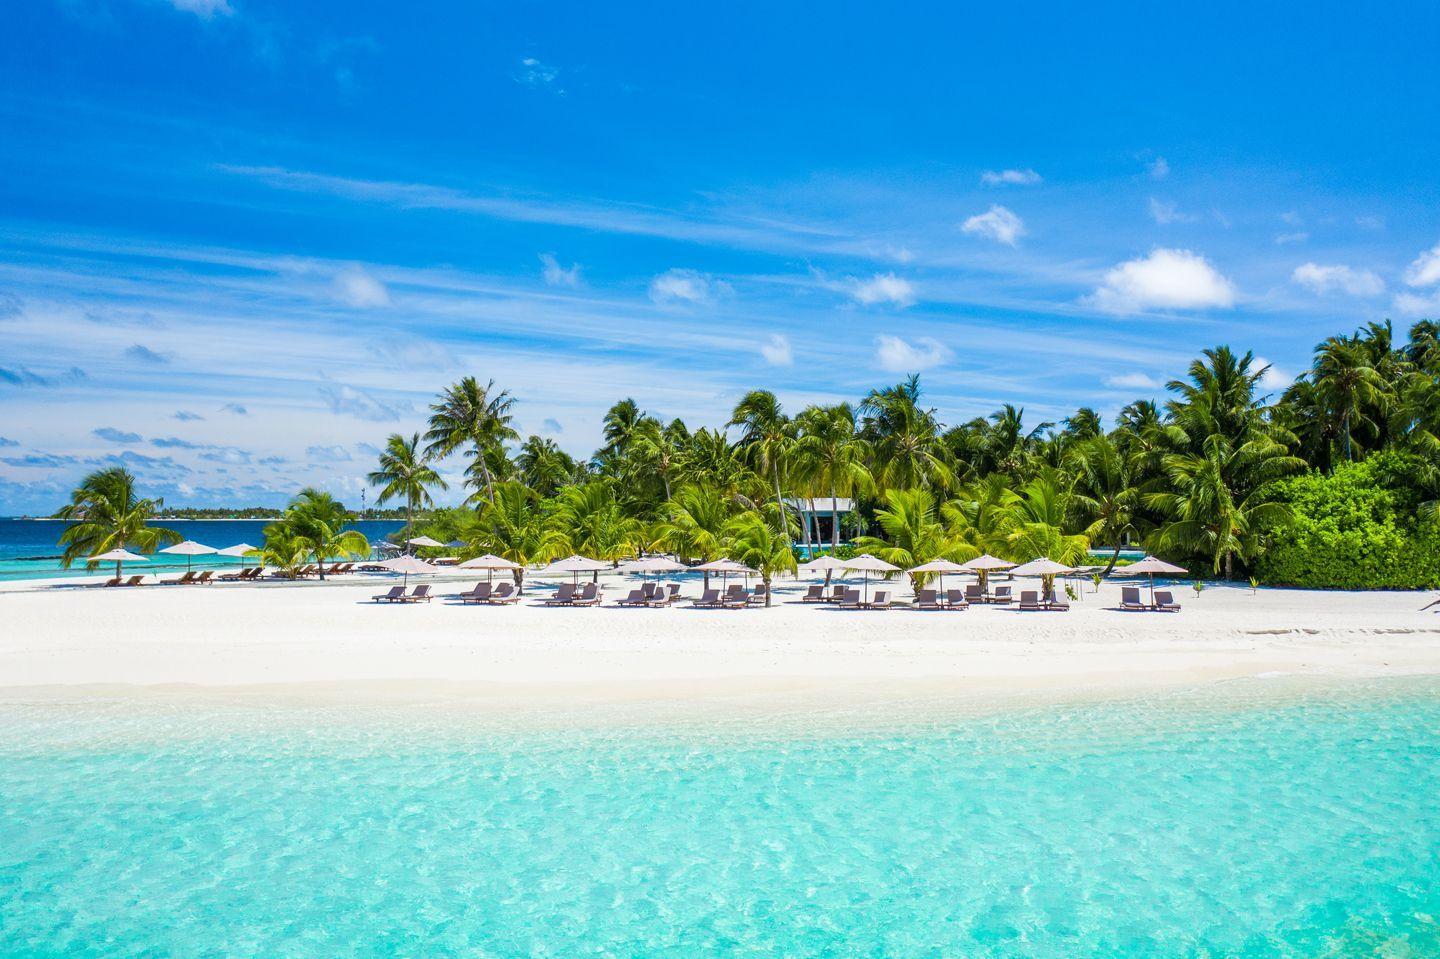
pixel 1189 826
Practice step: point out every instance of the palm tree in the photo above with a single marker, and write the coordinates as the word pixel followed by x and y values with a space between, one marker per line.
pixel 105 514
pixel 589 520
pixel 405 472
pixel 767 437
pixel 622 422
pixel 831 454
pixel 914 533
pixel 1220 504
pixel 657 451
pixel 1352 391
pixel 316 521
pixel 693 524
pixel 905 443
pixel 762 544
pixel 1104 492
pixel 285 550
pixel 514 526
pixel 1036 525
pixel 468 413
pixel 544 466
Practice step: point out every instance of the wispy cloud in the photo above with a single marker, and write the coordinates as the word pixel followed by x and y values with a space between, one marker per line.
pixel 998 223
pixel 1010 177
pixel 111 435
pixel 204 9
pixel 185 416
pixel 1159 168
pixel 347 400
pixel 1337 278
pixel 1133 381
pixel 7 441
pixel 686 287
pixel 533 73
pixel 1166 212
pixel 21 376
pixel 1286 239
pixel 1425 270
pixel 776 350
pixel 899 356
pixel 329 454
pixel 355 287
pixel 557 275
pixel 1166 279
pixel 143 354
pixel 883 288
pixel 236 408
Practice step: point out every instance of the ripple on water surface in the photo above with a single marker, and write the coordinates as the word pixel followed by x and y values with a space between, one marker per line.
pixel 1302 828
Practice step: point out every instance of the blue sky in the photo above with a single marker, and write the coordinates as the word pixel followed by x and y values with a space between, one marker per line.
pixel 243 241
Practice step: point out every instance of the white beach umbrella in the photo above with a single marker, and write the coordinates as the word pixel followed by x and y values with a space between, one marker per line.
pixel 424 541
pixel 726 568
pixel 190 549
pixel 1151 566
pixel 118 556
pixel 408 565
pixel 868 564
pixel 490 563
pixel 652 564
pixel 939 567
pixel 1044 567
pixel 983 566
pixel 572 566
pixel 823 564
pixel 239 549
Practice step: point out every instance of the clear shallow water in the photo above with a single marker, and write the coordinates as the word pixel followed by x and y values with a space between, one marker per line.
pixel 1186 827
pixel 30 549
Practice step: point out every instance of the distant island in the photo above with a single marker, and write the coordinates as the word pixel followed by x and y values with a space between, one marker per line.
pixel 245 512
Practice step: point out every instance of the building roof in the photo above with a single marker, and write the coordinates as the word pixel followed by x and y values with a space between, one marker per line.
pixel 820 504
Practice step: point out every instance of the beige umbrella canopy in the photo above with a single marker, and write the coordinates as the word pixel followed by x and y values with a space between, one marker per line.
pixel 938 566
pixel 490 563
pixel 408 565
pixel 868 564
pixel 983 566
pixel 823 564
pixel 652 564
pixel 239 549
pixel 118 556
pixel 1044 567
pixel 572 566
pixel 190 549
pixel 726 568
pixel 424 541
pixel 1152 566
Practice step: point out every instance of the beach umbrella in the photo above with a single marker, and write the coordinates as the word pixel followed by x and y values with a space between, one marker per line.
pixel 868 564
pixel 983 566
pixel 573 566
pixel 940 567
pixel 652 564
pixel 1044 567
pixel 239 549
pixel 1151 565
pixel 490 563
pixel 424 541
pixel 408 565
pixel 826 564
pixel 118 556
pixel 726 567
pixel 190 549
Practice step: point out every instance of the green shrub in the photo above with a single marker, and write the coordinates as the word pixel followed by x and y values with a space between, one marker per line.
pixel 1356 529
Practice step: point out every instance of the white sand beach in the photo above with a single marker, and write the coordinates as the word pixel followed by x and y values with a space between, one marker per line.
pixel 329 639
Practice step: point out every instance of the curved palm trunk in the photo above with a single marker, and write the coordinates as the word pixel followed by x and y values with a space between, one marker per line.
pixel 1114 558
pixel 784 523
pixel 766 580
pixel 834 520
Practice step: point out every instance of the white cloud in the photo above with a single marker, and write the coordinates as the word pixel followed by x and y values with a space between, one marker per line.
pixel 533 73
pixel 1166 279
pixel 884 288
pixel 205 9
pixel 1159 168
pixel 354 287
pixel 1014 177
pixel 1412 305
pixel 998 224
pixel 1133 381
pixel 352 402
pixel 1273 379
pixel 1284 239
pixel 1370 222
pixel 686 287
pixel 1426 268
pixel 1291 218
pixel 898 356
pixel 557 275
pixel 776 350
pixel 1337 278
pixel 329 454
pixel 1166 212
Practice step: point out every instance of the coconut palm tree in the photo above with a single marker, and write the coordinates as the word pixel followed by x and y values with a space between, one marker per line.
pixel 831 455
pixel 762 543
pixel 104 514
pixel 657 451
pixel 316 520
pixel 982 514
pixel 914 533
pixel 693 524
pixel 589 520
pixel 1104 492
pixel 468 413
pixel 1353 393
pixel 405 472
pixel 514 526
pixel 1036 525
pixel 767 437
pixel 904 440
pixel 543 466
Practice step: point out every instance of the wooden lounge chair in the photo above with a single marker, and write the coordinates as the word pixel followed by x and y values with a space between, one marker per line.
pixel 1057 603
pixel 239 577
pixel 927 599
pixel 852 600
pixel 955 599
pixel 182 580
pixel 479 593
pixel 974 594
pixel 837 594
pixel 734 590
pixel 1165 602
pixel 504 594
pixel 395 594
pixel 589 596
pixel 135 580
pixel 880 600
pixel 1130 599
pixel 564 596
pixel 665 595
pixel 736 599
pixel 757 595
pixel 1030 599
pixel 420 594
pixel 709 599
pixel 814 594
pixel 1002 595
pixel 204 579
pixel 636 597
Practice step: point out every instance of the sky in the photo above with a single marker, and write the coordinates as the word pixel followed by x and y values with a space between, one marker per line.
pixel 242 242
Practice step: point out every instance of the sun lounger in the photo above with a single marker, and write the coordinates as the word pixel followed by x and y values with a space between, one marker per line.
pixel 955 599
pixel 181 580
pixel 395 594
pixel 479 593
pixel 420 594
pixel 239 577
pixel 1165 602
pixel 851 600
pixel 204 579
pixel 665 595
pixel 130 581
pixel 814 594
pixel 504 594
pixel 880 600
pixel 709 599
pixel 636 597
pixel 1030 599
pixel 927 599
pixel 1002 595
pixel 974 594
pixel 1056 603
pixel 736 598
pixel 837 595
pixel 564 596
pixel 589 596
pixel 757 595
pixel 1130 598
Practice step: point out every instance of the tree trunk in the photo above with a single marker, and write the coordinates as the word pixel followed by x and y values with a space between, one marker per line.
pixel 766 581
pixel 1229 565
pixel 519 575
pixel 834 520
pixel 1114 558
pixel 784 516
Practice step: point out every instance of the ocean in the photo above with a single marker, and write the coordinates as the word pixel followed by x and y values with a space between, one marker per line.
pixel 1186 825
pixel 29 549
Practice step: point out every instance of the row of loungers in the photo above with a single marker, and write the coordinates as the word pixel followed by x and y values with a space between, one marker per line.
pixel 735 596
pixel 1164 601
pixel 929 598
pixel 397 594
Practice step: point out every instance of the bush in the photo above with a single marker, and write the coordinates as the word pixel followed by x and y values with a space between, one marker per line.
pixel 1356 529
